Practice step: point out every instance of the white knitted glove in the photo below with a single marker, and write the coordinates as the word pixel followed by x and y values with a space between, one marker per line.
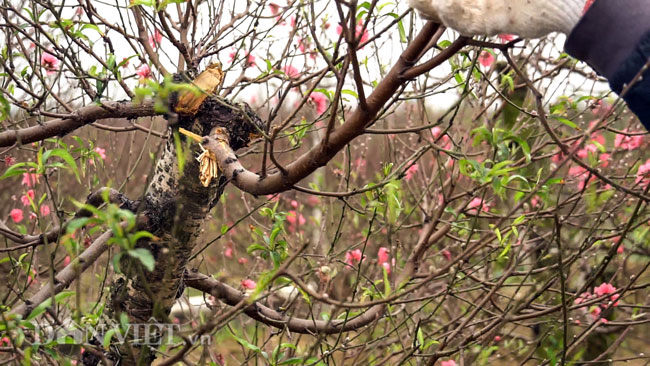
pixel 526 18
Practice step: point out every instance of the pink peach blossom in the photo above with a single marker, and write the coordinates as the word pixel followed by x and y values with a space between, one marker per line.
pixel 584 153
pixel 248 284
pixel 506 37
pixel 604 159
pixel 486 58
pixel 154 41
pixel 410 172
pixel 320 101
pixel 16 215
pixel 353 257
pixel 446 253
pixel 604 289
pixel 49 62
pixel 476 202
pixel 644 172
pixel 534 201
pixel 625 142
pixel 293 217
pixel 27 198
pixel 291 71
pixel 436 131
pixel 386 266
pixel 9 160
pixel 228 252
pixel 45 210
pixel 301 45
pixel 144 72
pixel 66 260
pixel 30 179
pixel 595 312
pixel 363 37
pixel 101 152
pixel 275 8
pixel 448 363
pixel 242 260
pixel 382 255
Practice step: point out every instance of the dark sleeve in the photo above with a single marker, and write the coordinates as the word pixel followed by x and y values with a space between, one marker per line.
pixel 638 96
pixel 613 37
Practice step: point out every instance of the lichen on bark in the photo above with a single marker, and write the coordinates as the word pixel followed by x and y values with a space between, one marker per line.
pixel 175 206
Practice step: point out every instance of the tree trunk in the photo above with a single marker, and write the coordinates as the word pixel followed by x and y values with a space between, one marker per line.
pixel 175 207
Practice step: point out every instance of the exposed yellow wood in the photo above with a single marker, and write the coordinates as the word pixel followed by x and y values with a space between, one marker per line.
pixel 208 82
pixel 208 167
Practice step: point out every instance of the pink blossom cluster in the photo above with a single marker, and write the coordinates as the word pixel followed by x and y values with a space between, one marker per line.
pixel 605 289
pixel 248 284
pixel 628 141
pixel 295 219
pixel 410 172
pixel 475 203
pixel 250 59
pixel 361 33
pixel 643 174
pixel 354 257
pixel 17 215
pixel 446 142
pixel 155 39
pixel 383 259
pixel 144 72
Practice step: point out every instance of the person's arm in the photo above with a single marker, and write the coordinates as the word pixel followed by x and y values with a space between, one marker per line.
pixel 612 36
pixel 525 18
pixel 615 41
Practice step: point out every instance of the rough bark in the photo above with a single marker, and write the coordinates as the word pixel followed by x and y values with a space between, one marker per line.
pixel 175 207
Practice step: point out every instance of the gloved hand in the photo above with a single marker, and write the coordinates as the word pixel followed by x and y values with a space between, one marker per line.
pixel 526 18
pixel 612 36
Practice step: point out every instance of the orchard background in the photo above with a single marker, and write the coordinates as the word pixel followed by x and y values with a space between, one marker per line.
pixel 415 197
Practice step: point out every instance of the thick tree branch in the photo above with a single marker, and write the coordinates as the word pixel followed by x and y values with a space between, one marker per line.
pixel 354 126
pixel 81 117
pixel 273 318
pixel 64 278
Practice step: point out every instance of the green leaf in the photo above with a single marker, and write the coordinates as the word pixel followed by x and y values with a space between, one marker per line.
pixel 245 343
pixel 141 3
pixel 93 27
pixel 144 256
pixel 566 122
pixel 14 170
pixel 420 336
pixel 40 309
pixel 180 155
pixel 107 338
pixel 350 92
pixel 69 160
pixel 505 251
pixel 5 108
